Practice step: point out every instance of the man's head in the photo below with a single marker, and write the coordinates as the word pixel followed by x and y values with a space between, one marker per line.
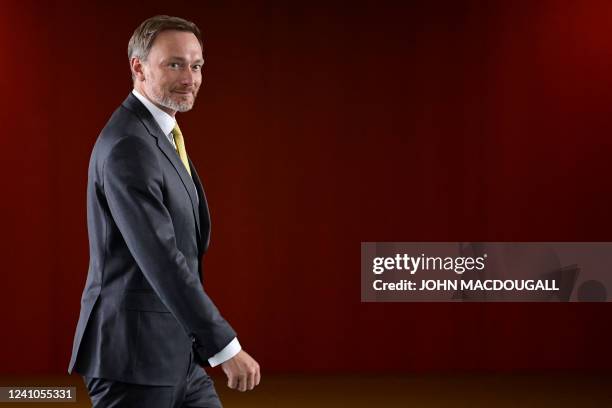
pixel 166 60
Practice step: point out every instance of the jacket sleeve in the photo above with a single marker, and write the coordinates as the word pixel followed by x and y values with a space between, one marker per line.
pixel 133 188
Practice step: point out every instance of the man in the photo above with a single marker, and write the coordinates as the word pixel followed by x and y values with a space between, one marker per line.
pixel 146 323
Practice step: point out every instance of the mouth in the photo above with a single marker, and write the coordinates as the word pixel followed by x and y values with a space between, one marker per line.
pixel 183 92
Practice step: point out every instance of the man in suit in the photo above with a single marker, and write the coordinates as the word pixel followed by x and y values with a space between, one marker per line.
pixel 146 324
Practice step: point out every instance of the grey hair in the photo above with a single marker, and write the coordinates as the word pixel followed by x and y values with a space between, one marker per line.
pixel 142 40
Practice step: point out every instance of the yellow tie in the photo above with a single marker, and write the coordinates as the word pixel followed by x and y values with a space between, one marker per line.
pixel 180 146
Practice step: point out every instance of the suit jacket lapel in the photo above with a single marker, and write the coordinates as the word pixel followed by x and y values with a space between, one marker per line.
pixel 203 210
pixel 172 155
pixel 132 103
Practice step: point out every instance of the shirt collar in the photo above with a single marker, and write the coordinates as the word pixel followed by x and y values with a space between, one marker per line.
pixel 166 122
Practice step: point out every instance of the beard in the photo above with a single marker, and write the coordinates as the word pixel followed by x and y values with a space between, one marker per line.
pixel 165 99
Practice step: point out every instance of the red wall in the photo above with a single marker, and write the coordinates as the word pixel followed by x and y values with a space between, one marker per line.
pixel 319 127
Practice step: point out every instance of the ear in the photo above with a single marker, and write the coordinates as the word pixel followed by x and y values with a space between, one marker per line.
pixel 137 67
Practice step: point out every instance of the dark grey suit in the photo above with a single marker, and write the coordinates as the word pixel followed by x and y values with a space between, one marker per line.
pixel 143 309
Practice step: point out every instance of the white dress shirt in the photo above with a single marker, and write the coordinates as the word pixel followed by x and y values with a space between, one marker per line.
pixel 166 124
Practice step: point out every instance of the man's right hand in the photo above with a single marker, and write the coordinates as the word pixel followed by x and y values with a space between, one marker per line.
pixel 242 372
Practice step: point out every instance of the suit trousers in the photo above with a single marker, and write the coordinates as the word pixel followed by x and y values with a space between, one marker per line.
pixel 195 391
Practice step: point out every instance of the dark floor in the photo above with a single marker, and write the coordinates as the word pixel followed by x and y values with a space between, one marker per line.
pixel 431 391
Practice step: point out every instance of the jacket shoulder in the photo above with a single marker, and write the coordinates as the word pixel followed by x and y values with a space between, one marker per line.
pixel 123 132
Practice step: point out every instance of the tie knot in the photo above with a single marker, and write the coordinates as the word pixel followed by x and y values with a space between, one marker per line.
pixel 177 130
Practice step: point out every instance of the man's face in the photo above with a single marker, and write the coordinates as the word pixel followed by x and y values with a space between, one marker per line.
pixel 172 72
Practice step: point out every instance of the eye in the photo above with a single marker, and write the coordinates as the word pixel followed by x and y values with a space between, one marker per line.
pixel 197 67
pixel 174 65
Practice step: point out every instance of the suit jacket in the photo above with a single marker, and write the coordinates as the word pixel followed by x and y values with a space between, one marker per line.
pixel 143 308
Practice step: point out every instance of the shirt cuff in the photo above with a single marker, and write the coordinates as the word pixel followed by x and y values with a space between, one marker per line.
pixel 228 352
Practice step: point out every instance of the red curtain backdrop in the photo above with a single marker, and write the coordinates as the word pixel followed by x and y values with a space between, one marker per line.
pixel 318 127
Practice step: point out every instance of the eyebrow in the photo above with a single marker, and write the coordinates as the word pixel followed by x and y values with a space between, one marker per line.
pixel 198 61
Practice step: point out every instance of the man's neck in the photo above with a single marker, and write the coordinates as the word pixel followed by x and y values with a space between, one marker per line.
pixel 141 91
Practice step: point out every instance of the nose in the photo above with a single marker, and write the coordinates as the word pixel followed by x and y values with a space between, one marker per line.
pixel 187 77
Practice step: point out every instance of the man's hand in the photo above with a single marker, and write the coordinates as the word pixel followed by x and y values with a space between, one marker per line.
pixel 242 372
